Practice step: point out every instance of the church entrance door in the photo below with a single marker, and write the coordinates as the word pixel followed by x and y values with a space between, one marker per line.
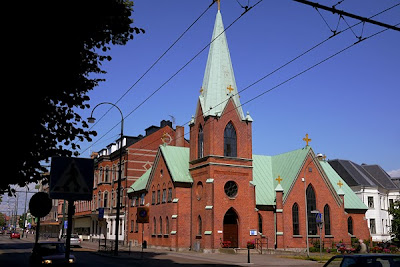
pixel 231 229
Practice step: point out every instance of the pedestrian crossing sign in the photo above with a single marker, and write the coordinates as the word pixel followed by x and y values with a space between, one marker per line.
pixel 71 178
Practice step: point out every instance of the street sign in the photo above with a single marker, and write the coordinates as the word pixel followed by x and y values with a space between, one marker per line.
pixel 142 215
pixel 71 178
pixel 101 214
pixel 318 218
pixel 40 204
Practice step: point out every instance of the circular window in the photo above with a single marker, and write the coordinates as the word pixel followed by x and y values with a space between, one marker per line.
pixel 199 190
pixel 231 189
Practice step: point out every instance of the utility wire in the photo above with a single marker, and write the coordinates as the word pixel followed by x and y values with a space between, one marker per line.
pixel 282 83
pixel 291 61
pixel 150 68
pixel 176 73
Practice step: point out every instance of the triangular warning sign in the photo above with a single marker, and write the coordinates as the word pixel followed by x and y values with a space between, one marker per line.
pixel 71 181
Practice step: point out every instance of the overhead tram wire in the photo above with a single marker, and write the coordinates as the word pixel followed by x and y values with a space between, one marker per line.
pixel 297 57
pixel 148 70
pixel 176 73
pixel 291 78
pixel 155 62
pixel 145 73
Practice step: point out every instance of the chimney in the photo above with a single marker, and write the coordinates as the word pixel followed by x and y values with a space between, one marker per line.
pixel 179 136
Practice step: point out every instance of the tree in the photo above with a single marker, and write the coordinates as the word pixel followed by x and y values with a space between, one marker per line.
pixel 395 212
pixel 2 220
pixel 61 48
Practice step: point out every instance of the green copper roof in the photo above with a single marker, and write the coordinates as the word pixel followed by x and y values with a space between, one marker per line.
pixel 288 165
pixel 177 159
pixel 140 184
pixel 219 76
pixel 265 170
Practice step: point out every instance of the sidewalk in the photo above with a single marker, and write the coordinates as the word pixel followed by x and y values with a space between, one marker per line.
pixel 216 258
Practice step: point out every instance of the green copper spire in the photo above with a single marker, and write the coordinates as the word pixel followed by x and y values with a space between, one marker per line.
pixel 219 80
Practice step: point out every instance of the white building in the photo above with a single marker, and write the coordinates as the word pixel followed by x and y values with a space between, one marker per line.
pixel 376 189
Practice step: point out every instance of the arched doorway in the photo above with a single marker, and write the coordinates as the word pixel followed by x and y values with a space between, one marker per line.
pixel 231 229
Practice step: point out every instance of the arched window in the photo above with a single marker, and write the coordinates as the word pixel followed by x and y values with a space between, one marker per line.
pixel 230 141
pixel 200 144
pixel 105 205
pixel 154 226
pixel 166 225
pixel 107 175
pixel 350 225
pixel 112 198
pixel 199 225
pixel 260 224
pixel 99 200
pixel 101 176
pixel 295 219
pixel 311 205
pixel 327 220
pixel 161 228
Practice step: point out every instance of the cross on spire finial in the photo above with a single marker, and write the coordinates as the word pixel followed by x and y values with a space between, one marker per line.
pixel 279 179
pixel 230 88
pixel 306 139
pixel 340 184
pixel 219 4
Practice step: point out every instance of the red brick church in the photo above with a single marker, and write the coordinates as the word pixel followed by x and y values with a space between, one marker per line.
pixel 216 193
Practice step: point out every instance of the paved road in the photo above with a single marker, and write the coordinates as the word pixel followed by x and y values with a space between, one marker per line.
pixel 15 252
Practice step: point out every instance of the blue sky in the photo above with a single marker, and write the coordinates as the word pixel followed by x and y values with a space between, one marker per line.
pixel 348 105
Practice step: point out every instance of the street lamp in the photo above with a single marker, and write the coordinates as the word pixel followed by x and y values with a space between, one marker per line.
pixel 91 119
pixel 318 156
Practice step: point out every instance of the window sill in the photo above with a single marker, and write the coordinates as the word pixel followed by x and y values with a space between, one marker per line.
pixel 159 235
pixel 166 235
pixel 297 236
pixel 313 236
pixel 198 236
pixel 328 236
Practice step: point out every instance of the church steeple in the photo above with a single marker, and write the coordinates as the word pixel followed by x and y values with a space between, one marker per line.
pixel 219 83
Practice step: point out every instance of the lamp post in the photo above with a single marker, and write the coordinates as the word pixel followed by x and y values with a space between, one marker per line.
pixel 318 156
pixel 91 119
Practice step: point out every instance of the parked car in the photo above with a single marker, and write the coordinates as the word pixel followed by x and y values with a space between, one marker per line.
pixel 364 260
pixel 15 235
pixel 50 252
pixel 75 240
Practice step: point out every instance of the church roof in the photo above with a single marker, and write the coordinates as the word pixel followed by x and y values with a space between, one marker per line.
pixel 265 170
pixel 288 166
pixel 177 160
pixel 219 83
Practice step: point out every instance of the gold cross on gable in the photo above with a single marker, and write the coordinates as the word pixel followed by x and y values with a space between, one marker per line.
pixel 324 157
pixel 201 90
pixel 230 88
pixel 279 179
pixel 306 139
pixel 340 184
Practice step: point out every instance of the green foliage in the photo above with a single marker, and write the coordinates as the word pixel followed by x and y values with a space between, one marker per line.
pixel 2 219
pixel 58 48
